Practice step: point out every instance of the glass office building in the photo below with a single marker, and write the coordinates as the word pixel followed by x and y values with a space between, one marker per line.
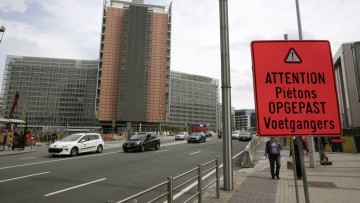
pixel 245 119
pixel 133 77
pixel 347 75
pixel 193 100
pixel 53 92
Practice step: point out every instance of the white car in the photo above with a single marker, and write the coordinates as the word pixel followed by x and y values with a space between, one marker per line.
pixel 181 136
pixel 235 134
pixel 77 143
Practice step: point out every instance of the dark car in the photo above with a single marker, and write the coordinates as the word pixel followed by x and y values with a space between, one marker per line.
pixel 197 137
pixel 209 133
pixel 142 141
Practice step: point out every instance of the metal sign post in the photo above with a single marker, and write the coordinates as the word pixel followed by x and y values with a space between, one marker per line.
pixel 303 170
pixel 310 139
pixel 294 169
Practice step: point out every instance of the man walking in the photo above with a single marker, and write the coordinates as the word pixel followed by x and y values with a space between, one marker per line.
pixel 272 151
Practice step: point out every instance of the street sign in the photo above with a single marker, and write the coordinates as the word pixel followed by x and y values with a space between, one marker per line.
pixel 295 91
pixel 128 125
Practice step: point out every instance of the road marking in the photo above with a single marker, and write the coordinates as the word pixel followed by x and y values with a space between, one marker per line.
pixel 74 187
pixel 195 182
pixel 195 152
pixel 173 143
pixel 161 151
pixel 43 162
pixel 36 174
pixel 203 178
pixel 28 158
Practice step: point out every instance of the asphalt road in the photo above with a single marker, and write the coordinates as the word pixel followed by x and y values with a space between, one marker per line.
pixel 110 176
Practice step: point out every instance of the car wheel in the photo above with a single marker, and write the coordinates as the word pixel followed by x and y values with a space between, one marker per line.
pixel 157 146
pixel 73 152
pixel 99 149
pixel 188 141
pixel 125 150
pixel 205 140
pixel 142 148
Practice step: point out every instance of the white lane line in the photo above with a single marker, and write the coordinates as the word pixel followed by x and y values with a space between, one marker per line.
pixel 36 174
pixel 28 158
pixel 195 153
pixel 162 151
pixel 43 162
pixel 70 188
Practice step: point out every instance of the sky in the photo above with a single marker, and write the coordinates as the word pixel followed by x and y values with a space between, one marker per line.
pixel 70 29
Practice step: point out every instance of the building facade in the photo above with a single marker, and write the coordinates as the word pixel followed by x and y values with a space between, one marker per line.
pixel 193 100
pixel 53 92
pixel 134 66
pixel 245 119
pixel 347 75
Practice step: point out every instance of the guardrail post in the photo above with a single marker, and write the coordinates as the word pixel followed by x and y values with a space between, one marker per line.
pixel 199 183
pixel 217 178
pixel 170 189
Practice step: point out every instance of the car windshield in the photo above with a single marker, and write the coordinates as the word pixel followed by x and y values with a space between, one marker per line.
pixel 138 136
pixel 71 138
pixel 181 133
pixel 196 134
pixel 235 132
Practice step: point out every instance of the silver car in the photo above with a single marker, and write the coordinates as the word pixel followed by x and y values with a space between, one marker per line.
pixel 235 134
pixel 182 136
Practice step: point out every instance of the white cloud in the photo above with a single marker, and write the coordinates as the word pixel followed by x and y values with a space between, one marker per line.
pixel 15 5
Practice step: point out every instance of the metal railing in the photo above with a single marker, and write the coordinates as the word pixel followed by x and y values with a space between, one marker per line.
pixel 211 166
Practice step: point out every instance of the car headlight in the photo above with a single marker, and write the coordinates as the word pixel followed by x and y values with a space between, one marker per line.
pixel 66 147
pixel 138 142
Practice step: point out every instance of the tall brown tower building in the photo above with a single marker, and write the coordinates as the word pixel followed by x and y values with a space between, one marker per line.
pixel 134 69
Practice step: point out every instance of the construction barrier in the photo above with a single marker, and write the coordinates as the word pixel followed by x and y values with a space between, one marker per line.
pixel 248 158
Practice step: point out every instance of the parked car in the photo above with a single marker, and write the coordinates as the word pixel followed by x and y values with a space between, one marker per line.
pixel 209 133
pixel 245 136
pixel 181 136
pixel 197 137
pixel 142 141
pixel 75 144
pixel 235 134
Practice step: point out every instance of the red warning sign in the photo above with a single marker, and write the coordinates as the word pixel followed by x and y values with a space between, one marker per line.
pixel 295 91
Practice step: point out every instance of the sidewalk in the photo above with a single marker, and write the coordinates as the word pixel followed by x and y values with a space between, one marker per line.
pixel 9 151
pixel 339 182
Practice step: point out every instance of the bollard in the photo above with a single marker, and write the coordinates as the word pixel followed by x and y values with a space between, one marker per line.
pixel 170 190
pixel 199 183
pixel 217 179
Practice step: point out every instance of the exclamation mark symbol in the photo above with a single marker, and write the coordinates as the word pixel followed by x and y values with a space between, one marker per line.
pixel 292 57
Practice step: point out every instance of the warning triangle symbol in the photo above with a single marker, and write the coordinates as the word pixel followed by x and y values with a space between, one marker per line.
pixel 292 57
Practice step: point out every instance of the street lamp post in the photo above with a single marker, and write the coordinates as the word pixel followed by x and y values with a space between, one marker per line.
pixel 2 30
